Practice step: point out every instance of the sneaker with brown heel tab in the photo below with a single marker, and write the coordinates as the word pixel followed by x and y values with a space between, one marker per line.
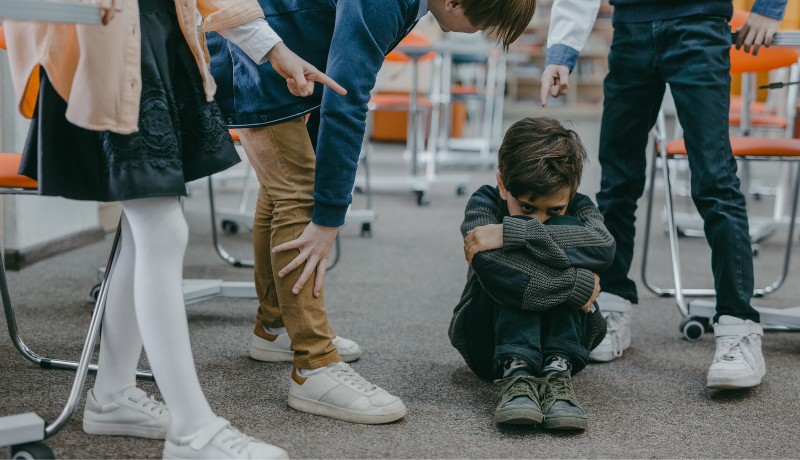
pixel 278 347
pixel 337 391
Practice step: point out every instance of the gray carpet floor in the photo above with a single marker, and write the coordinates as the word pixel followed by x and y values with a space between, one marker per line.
pixel 394 294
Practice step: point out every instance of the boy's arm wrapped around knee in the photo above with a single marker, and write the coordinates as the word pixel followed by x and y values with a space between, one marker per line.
pixel 578 239
pixel 517 278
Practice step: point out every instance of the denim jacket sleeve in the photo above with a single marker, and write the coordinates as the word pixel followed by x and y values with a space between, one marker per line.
pixel 363 34
pixel 774 9
pixel 571 22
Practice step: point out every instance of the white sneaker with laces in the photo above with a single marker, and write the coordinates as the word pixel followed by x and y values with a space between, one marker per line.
pixel 278 347
pixel 132 414
pixel 219 440
pixel 738 362
pixel 339 392
pixel 617 312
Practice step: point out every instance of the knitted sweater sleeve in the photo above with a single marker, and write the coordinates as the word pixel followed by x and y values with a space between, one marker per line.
pixel 581 237
pixel 521 279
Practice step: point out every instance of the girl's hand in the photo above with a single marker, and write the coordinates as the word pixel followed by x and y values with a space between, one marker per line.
pixel 756 31
pixel 299 74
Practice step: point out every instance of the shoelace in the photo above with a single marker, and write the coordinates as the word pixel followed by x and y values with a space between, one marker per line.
pixel 520 385
pixel 150 403
pixel 614 321
pixel 236 440
pixel 232 438
pixel 349 375
pixel 559 387
pixel 730 348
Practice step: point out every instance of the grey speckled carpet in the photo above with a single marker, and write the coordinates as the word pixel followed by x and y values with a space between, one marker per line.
pixel 394 293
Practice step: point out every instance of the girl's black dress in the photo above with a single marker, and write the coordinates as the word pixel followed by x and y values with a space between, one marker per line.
pixel 181 136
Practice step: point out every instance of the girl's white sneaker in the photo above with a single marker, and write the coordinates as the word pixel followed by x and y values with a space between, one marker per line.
pixel 220 440
pixel 132 414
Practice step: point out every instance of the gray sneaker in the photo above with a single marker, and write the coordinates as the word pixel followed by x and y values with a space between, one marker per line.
pixel 560 406
pixel 518 402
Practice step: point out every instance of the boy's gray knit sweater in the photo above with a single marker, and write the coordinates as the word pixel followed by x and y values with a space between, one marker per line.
pixel 540 265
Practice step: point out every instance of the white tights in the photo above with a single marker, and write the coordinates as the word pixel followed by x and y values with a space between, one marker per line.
pixel 145 306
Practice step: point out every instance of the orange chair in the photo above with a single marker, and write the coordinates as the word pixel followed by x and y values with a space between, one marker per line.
pixel 742 63
pixel 697 314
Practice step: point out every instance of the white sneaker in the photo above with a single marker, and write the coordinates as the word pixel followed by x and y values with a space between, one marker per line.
pixel 738 362
pixel 133 414
pixel 617 312
pixel 278 347
pixel 339 392
pixel 220 440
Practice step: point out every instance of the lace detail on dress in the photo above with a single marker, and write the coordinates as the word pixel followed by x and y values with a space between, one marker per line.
pixel 173 126
pixel 156 142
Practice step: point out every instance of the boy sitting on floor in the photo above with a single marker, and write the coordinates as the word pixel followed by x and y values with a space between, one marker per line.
pixel 527 316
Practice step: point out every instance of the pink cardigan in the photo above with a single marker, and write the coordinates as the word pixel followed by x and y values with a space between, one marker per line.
pixel 96 69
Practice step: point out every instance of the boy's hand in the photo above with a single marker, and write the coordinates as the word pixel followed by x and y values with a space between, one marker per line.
pixel 315 245
pixel 756 31
pixel 299 74
pixel 484 238
pixel 596 293
pixel 555 81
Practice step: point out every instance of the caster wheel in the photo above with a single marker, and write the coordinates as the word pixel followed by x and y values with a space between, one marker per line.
pixel 461 190
pixel 31 451
pixel 693 328
pixel 757 196
pixel 366 229
pixel 756 249
pixel 422 199
pixel 230 227
pixel 358 190
pixel 95 292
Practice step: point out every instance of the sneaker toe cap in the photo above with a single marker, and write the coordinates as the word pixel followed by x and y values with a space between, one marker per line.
pixel 264 450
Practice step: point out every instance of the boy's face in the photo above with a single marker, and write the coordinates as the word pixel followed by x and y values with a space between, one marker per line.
pixel 541 208
pixel 450 16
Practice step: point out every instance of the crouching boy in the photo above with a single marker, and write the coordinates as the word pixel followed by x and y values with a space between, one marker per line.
pixel 527 316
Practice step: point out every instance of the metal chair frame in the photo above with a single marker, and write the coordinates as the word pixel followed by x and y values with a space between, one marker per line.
pixel 679 292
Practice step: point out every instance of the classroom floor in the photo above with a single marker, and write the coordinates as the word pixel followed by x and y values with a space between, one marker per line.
pixel 394 294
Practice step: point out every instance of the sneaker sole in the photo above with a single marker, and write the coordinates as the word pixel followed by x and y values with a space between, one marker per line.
pixel 279 356
pixel 167 455
pixel 566 423
pixel 734 384
pixel 327 410
pixel 519 417
pixel 112 429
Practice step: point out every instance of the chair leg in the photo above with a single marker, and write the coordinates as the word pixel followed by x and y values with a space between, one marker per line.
pixel 223 254
pixel 789 240
pixel 673 241
pixel 19 344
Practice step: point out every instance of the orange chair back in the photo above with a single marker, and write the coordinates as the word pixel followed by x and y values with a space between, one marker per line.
pixel 412 39
pixel 2 37
pixel 768 58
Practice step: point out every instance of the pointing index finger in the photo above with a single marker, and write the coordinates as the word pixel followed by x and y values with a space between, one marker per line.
pixel 327 81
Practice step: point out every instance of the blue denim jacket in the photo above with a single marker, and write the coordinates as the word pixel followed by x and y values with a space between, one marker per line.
pixel 348 40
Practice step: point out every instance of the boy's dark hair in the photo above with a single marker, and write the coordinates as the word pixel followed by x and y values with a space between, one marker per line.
pixel 504 19
pixel 539 156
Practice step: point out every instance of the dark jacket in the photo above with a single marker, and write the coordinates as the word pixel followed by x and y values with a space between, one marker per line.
pixel 541 265
pixel 348 40
pixel 654 10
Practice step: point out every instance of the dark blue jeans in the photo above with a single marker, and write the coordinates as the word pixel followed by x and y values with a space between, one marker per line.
pixel 497 332
pixel 692 54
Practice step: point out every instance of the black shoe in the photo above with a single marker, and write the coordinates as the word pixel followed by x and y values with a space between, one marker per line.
pixel 560 406
pixel 518 402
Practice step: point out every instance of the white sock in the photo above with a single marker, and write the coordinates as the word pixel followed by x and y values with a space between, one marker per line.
pixel 159 237
pixel 310 372
pixel 275 330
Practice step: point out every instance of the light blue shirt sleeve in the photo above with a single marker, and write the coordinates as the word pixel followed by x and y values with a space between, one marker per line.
pixel 559 54
pixel 774 9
